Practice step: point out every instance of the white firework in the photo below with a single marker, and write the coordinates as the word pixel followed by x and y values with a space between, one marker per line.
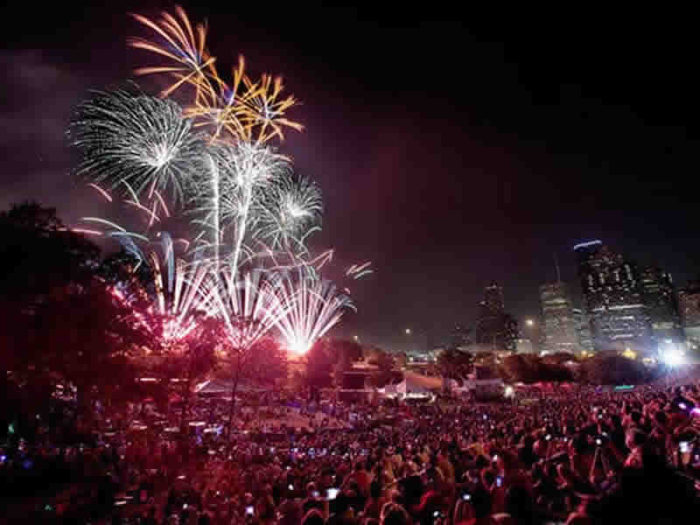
pixel 309 306
pixel 182 293
pixel 229 199
pixel 289 212
pixel 247 305
pixel 125 136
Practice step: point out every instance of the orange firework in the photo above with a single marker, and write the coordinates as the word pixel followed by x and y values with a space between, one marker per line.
pixel 268 109
pixel 244 110
pixel 181 45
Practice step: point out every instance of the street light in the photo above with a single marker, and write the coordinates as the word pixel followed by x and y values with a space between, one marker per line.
pixel 356 338
pixel 530 322
pixel 408 331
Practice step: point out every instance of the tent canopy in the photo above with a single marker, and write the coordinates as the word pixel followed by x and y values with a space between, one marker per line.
pixel 223 386
pixel 414 383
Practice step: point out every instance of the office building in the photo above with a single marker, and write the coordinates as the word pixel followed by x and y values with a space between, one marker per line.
pixel 613 299
pixel 524 346
pixel 494 327
pixel 689 307
pixel 557 318
pixel 659 296
pixel 583 330
pixel 493 297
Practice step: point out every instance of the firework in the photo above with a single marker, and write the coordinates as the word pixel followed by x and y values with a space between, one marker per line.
pixel 148 214
pixel 246 110
pixel 230 200
pixel 135 138
pixel 311 307
pixel 182 293
pixel 289 212
pixel 266 118
pixel 248 264
pixel 248 306
pixel 181 44
pixel 358 271
pixel 168 296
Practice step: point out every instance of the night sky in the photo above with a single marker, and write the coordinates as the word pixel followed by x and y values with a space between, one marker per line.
pixel 453 148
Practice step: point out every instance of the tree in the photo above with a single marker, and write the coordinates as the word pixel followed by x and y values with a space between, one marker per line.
pixel 528 368
pixel 520 368
pixel 346 350
pixel 81 336
pixel 37 258
pixel 320 365
pixel 612 369
pixel 386 365
pixel 129 274
pixel 60 323
pixel 455 364
pixel 328 359
pixel 189 360
pixel 38 253
pixel 267 364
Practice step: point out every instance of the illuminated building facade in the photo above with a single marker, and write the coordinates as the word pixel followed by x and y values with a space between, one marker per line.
pixel 493 298
pixel 613 299
pixel 494 327
pixel 583 330
pixel 689 306
pixel 662 307
pixel 524 346
pixel 558 319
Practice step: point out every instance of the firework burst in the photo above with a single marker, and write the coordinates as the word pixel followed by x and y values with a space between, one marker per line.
pixel 229 201
pixel 180 43
pixel 248 306
pixel 247 264
pixel 135 138
pixel 243 110
pixel 182 293
pixel 290 211
pixel 311 307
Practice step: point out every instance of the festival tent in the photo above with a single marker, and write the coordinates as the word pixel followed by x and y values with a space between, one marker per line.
pixel 413 385
pixel 419 383
pixel 216 387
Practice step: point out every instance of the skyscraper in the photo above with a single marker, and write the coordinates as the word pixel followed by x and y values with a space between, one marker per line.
pixel 494 327
pixel 460 337
pixel 583 329
pixel 558 319
pixel 689 306
pixel 659 296
pixel 613 299
pixel 493 297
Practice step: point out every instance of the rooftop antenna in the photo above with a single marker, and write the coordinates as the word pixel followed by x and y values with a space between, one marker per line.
pixel 556 265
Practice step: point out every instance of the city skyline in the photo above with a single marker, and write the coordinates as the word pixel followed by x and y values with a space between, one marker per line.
pixel 485 183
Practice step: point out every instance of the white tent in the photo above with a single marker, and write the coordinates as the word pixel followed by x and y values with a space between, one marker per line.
pixel 223 387
pixel 413 385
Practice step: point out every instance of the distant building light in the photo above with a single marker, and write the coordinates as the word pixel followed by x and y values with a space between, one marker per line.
pixel 587 244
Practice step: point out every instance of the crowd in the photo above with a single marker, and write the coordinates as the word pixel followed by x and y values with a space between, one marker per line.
pixel 571 455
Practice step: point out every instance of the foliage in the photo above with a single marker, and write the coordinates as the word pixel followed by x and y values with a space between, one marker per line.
pixel 38 254
pixel 612 369
pixel 320 365
pixel 60 325
pixel 455 364
pixel 387 370
pixel 80 336
pixel 529 368
pixel 267 363
pixel 328 358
